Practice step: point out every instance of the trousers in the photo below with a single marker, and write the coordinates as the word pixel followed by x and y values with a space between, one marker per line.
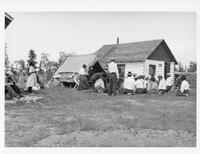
pixel 112 83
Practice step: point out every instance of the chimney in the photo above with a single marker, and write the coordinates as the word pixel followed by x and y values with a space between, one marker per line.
pixel 117 40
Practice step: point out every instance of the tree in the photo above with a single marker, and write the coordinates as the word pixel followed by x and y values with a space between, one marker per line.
pixel 7 62
pixel 63 56
pixel 44 61
pixel 47 67
pixel 175 68
pixel 180 67
pixel 21 63
pixel 32 57
pixel 192 67
pixel 53 66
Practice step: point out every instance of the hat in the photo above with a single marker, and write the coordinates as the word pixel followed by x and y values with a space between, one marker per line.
pixel 129 74
pixel 134 74
pixel 141 77
pixel 168 74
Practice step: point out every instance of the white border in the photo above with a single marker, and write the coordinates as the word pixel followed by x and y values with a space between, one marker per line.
pixel 94 5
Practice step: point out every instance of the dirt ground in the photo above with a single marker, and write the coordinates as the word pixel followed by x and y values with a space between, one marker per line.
pixel 66 118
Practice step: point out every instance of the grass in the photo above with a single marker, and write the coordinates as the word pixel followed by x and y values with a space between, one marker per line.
pixel 70 118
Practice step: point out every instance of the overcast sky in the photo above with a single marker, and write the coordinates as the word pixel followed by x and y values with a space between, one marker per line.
pixel 52 32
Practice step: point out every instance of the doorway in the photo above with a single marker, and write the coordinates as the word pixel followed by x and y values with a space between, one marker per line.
pixel 152 70
pixel 167 69
pixel 121 69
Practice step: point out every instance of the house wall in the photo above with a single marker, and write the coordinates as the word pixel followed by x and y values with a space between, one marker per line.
pixel 160 67
pixel 172 65
pixel 142 68
pixel 134 67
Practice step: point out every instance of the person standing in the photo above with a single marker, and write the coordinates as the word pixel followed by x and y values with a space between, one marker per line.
pixel 32 79
pixel 113 76
pixel 83 84
pixel 162 85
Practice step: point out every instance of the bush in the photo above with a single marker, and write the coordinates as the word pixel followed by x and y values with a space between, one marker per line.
pixel 192 79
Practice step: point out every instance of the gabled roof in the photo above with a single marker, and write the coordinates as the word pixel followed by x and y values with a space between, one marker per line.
pixel 129 52
pixel 74 63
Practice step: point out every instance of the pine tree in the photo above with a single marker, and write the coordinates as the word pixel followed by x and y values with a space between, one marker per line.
pixel 192 67
pixel 7 62
pixel 32 57
pixel 181 68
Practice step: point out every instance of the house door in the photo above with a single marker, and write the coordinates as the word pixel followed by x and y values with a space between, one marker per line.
pixel 121 69
pixel 152 70
pixel 167 69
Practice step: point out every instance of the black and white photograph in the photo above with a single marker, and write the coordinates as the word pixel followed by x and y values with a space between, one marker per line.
pixel 100 79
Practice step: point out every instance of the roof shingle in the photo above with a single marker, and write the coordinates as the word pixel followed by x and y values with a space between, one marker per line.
pixel 136 51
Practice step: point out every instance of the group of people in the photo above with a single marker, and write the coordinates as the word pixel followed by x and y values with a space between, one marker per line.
pixel 132 84
pixel 140 84
pixel 33 83
pixel 89 79
pixel 105 82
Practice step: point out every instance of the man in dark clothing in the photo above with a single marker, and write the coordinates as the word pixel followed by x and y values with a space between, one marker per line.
pixel 91 72
pixel 177 81
pixel 9 92
pixel 113 84
pixel 96 76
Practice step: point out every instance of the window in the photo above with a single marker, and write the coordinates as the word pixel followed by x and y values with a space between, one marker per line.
pixel 121 69
pixel 152 69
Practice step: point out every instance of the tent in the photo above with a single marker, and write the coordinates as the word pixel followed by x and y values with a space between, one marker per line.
pixel 73 64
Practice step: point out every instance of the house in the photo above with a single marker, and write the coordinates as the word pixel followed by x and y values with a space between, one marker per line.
pixel 142 58
pixel 8 20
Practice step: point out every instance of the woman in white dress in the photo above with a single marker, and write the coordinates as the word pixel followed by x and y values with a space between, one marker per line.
pixel 32 79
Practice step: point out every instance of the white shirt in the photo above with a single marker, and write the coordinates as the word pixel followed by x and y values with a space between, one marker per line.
pixel 184 86
pixel 129 83
pixel 169 81
pixel 112 68
pixel 145 83
pixel 99 83
pixel 82 71
pixel 31 69
pixel 139 83
pixel 162 84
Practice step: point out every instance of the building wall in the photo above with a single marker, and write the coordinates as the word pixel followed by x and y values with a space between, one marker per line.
pixel 142 68
pixel 160 65
pixel 134 67
pixel 172 65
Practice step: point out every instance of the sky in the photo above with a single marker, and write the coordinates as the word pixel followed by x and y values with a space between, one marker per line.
pixel 86 32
